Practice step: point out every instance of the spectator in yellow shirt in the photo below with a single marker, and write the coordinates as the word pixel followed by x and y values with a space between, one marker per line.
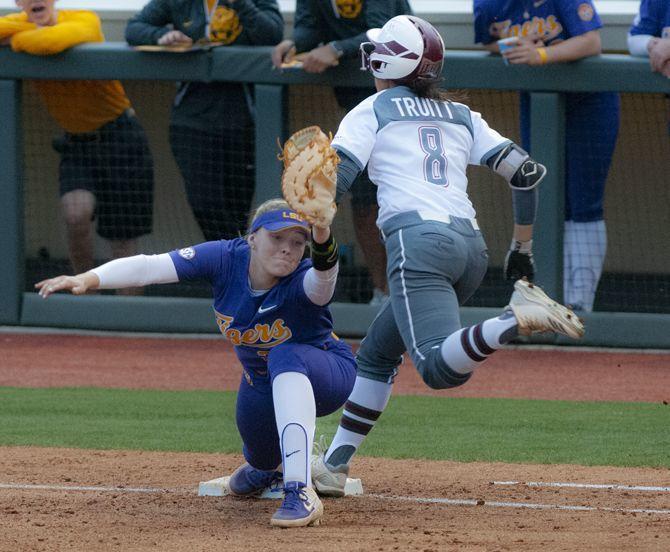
pixel 106 169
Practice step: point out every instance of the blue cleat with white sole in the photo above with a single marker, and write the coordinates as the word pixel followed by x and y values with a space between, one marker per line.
pixel 301 507
pixel 247 480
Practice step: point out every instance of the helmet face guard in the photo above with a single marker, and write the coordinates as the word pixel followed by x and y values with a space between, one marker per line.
pixel 366 48
pixel 406 49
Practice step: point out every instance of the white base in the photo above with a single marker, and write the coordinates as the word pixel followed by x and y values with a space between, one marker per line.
pixel 219 487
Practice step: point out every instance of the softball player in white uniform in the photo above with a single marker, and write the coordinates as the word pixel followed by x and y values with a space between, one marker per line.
pixel 417 145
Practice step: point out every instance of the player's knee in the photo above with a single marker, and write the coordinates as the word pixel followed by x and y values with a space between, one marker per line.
pixel 377 369
pixel 78 207
pixel 436 374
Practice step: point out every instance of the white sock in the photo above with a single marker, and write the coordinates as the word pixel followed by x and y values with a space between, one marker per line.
pixel 367 401
pixel 465 349
pixel 585 246
pixel 295 413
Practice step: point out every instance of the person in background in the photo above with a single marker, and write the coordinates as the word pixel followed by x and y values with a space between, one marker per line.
pixel 212 124
pixel 106 169
pixel 273 306
pixel 649 36
pixel 327 32
pixel 557 32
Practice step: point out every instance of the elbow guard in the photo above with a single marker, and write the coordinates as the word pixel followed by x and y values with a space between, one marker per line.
pixel 324 255
pixel 516 166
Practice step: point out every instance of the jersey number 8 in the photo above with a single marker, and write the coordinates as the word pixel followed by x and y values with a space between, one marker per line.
pixel 435 162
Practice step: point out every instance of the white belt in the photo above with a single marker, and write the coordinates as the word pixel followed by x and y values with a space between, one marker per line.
pixel 441 217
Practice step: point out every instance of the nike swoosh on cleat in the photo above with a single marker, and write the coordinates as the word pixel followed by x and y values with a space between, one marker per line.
pixel 292 453
pixel 261 310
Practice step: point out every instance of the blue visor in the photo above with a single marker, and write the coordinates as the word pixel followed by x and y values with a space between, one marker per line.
pixel 280 219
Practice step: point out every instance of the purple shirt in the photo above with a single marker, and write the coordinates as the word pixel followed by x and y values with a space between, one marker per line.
pixel 653 19
pixel 254 323
pixel 553 20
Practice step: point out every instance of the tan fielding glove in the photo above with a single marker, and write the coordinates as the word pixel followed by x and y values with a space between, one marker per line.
pixel 309 180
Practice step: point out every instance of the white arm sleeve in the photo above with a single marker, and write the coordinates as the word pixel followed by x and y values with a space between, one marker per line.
pixel 320 285
pixel 637 45
pixel 137 271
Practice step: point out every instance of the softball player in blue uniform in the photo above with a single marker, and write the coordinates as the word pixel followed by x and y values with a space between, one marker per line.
pixel 272 306
pixel 649 36
pixel 555 31
pixel 417 144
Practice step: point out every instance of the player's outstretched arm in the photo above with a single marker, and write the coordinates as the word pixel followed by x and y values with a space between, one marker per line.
pixel 136 271
pixel 77 285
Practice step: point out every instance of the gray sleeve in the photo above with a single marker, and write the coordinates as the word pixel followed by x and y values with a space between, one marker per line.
pixel 524 204
pixel 347 171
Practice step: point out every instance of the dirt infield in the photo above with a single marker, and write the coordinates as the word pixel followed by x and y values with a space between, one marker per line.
pixel 129 500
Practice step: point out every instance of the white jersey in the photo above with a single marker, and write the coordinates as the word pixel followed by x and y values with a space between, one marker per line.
pixel 417 151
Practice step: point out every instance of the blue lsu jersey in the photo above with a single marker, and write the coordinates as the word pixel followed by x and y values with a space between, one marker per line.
pixel 255 323
pixel 553 20
pixel 653 19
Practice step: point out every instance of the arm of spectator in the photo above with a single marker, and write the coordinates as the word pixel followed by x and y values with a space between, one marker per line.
pixel 321 58
pixel 12 24
pixel 150 24
pixel 531 51
pixel 81 27
pixel 261 19
pixel 309 29
pixel 639 45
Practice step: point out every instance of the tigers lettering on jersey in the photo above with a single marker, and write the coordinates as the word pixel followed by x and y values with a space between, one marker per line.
pixel 261 335
pixel 548 28
pixel 552 20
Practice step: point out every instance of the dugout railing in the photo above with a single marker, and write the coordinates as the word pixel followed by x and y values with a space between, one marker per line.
pixel 462 70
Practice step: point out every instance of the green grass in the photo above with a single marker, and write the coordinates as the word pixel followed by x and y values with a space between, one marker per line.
pixel 492 430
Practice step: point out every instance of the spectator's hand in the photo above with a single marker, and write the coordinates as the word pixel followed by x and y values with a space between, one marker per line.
pixel 652 42
pixel 659 54
pixel 525 52
pixel 320 59
pixel 174 37
pixel 282 52
pixel 78 284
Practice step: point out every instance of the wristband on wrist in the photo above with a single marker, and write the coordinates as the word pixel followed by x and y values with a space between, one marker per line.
pixel 524 247
pixel 542 52
pixel 337 48
pixel 324 255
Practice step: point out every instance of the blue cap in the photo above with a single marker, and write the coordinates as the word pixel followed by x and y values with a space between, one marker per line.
pixel 280 219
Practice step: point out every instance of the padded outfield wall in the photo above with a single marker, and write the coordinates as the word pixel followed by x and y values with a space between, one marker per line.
pixel 633 303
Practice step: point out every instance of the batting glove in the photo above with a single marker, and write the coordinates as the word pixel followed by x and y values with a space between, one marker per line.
pixel 519 261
